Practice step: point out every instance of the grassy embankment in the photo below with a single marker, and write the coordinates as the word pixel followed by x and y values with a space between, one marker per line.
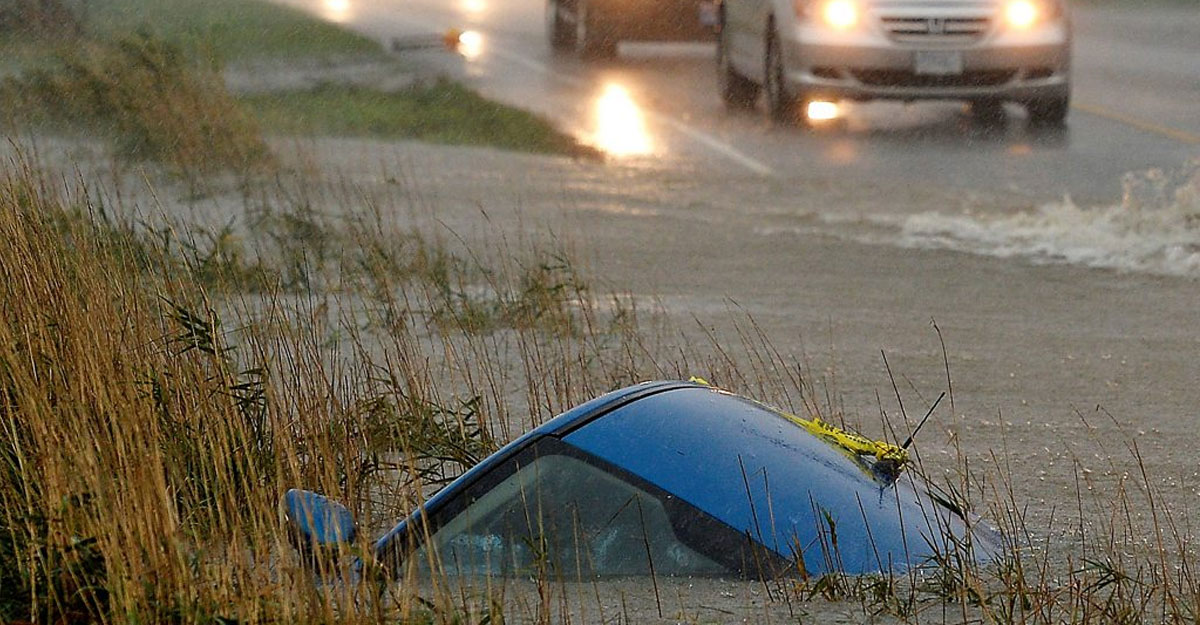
pixel 440 112
pixel 98 74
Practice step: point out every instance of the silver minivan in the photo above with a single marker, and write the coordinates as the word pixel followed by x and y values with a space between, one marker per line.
pixel 986 52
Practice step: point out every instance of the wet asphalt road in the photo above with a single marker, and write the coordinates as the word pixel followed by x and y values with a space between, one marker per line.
pixel 1136 105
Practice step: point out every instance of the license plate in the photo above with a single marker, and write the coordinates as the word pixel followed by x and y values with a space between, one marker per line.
pixel 938 62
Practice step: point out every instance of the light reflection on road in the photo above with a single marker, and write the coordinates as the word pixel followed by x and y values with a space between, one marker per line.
pixel 620 123
pixel 338 11
pixel 842 152
pixel 1020 149
pixel 470 44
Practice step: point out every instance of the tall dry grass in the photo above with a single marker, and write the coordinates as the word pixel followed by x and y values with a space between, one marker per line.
pixel 131 444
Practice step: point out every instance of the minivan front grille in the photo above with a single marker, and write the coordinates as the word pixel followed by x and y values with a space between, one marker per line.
pixel 921 29
pixel 905 78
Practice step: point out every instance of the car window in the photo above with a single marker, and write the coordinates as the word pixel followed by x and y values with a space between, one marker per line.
pixel 560 515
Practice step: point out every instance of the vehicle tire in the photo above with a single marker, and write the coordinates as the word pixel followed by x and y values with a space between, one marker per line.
pixel 1049 112
pixel 595 40
pixel 989 113
pixel 560 32
pixel 781 104
pixel 738 92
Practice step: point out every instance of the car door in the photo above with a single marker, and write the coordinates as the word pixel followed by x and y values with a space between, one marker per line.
pixel 759 15
pixel 744 23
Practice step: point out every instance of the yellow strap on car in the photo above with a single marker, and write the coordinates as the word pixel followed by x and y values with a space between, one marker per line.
pixel 856 444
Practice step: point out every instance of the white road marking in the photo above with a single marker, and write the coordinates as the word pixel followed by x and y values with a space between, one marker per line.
pixel 716 145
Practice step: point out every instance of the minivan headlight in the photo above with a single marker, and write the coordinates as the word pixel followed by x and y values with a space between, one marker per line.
pixel 1025 14
pixel 835 14
pixel 840 14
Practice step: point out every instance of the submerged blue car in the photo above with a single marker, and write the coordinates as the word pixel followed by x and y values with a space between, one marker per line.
pixel 675 478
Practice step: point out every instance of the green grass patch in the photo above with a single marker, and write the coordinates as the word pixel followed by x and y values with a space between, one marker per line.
pixel 232 30
pixel 441 112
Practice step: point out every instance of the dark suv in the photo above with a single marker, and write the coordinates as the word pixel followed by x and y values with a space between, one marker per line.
pixel 594 27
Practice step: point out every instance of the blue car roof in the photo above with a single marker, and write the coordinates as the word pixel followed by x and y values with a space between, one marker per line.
pixel 752 469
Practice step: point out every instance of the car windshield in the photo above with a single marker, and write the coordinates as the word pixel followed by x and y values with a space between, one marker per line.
pixel 570 518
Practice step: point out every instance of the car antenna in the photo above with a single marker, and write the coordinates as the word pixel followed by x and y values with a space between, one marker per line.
pixel 889 468
pixel 909 440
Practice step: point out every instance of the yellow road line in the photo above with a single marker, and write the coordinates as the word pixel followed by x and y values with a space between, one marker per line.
pixel 1181 136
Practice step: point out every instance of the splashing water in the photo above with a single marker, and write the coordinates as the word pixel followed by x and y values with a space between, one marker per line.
pixel 1155 229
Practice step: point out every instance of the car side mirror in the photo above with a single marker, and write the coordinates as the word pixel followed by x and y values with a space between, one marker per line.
pixel 316 520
